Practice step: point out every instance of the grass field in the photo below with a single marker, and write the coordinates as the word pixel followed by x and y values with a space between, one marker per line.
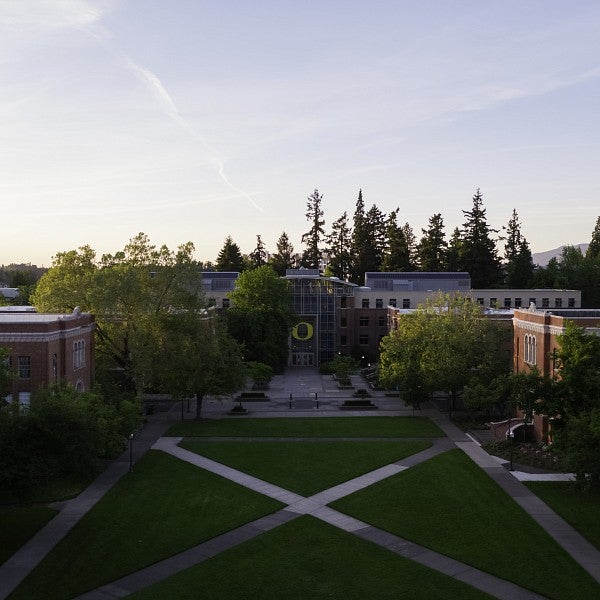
pixel 450 505
pixel 579 508
pixel 162 508
pixel 305 467
pixel 306 558
pixel 310 427
pixel 18 524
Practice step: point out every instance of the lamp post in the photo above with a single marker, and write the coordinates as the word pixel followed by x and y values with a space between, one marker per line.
pixel 131 452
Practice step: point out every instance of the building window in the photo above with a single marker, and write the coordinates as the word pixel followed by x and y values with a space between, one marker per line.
pixel 381 321
pixel 363 339
pixel 343 322
pixel 363 321
pixel 406 303
pixel 557 302
pixel 493 302
pixel 226 303
pixel 392 301
pixel 480 301
pixel 343 340
pixel 545 302
pixel 378 302
pixel 343 302
pixel 24 398
pixel 78 354
pixel 571 302
pixel 532 301
pixel 530 349
pixel 365 303
pixel 24 367
pixel 506 302
pixel 518 302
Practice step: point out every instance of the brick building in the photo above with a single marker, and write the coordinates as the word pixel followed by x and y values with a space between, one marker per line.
pixel 535 340
pixel 47 348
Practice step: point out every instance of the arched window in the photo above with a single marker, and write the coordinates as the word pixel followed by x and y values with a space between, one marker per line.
pixel 78 354
pixel 530 349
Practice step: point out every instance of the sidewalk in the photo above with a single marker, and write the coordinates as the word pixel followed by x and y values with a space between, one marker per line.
pixel 20 564
pixel 300 382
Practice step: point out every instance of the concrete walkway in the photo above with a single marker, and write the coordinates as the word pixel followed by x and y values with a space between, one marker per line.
pixel 315 506
pixel 22 562
pixel 301 383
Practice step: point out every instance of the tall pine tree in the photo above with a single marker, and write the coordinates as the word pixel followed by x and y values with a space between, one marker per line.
pixel 593 251
pixel 399 255
pixel 284 258
pixel 338 247
pixel 433 248
pixel 478 250
pixel 519 263
pixel 230 258
pixel 258 256
pixel 454 251
pixel 314 213
pixel 360 241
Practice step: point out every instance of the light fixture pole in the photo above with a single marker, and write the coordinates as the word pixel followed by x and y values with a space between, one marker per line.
pixel 131 452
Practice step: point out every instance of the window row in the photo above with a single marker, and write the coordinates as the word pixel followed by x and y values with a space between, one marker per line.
pixel 366 303
pixel 364 321
pixel 518 302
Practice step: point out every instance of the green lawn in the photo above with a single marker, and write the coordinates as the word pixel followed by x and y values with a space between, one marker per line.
pixel 306 558
pixel 580 509
pixel 309 427
pixel 165 506
pixel 306 467
pixel 450 505
pixel 18 524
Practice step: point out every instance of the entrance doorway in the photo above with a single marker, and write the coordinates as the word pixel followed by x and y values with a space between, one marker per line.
pixel 303 359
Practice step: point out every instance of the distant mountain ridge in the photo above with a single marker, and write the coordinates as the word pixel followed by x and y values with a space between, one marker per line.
pixel 543 258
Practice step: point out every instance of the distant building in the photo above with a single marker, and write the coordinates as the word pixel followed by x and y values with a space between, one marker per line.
pixel 47 348
pixel 336 316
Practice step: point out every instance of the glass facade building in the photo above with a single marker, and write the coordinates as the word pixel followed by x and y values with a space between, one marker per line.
pixel 315 300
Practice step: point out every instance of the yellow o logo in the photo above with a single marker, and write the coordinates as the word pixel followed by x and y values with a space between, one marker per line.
pixel 302 331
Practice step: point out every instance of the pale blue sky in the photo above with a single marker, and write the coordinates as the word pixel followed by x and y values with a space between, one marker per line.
pixel 194 120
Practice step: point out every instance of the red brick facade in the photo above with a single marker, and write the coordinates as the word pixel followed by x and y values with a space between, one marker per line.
pixel 48 348
pixel 535 339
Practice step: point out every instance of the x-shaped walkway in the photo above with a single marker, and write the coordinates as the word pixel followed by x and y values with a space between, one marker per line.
pixel 315 506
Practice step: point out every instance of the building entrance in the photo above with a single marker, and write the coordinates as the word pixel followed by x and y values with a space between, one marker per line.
pixel 303 359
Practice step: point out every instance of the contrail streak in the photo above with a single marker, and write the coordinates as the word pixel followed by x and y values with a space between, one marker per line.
pixel 163 98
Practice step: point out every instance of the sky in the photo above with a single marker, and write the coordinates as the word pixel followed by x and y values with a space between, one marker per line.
pixel 195 120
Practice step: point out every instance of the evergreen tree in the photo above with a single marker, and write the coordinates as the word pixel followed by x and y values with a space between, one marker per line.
pixel 230 257
pixel 399 255
pixel 478 250
pixel 376 231
pixel 283 259
pixel 338 242
pixel 433 248
pixel 519 263
pixel 359 241
pixel 314 213
pixel 454 251
pixel 411 245
pixel 593 251
pixel 258 256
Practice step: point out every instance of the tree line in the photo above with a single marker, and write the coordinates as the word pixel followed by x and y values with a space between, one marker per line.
pixel 370 240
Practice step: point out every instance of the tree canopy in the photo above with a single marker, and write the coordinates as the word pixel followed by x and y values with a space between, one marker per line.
pixel 444 345
pixel 261 316
pixel 138 295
